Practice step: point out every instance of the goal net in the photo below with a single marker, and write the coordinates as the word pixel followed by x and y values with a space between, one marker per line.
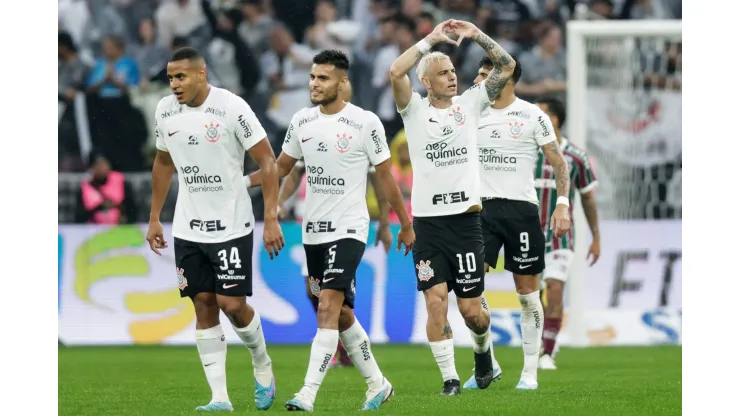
pixel 624 108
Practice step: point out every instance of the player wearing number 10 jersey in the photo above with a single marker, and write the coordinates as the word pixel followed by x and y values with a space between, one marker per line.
pixel 510 134
pixel 202 133
pixel 337 141
pixel 559 251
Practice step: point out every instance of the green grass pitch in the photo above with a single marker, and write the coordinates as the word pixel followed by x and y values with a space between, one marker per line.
pixel 159 380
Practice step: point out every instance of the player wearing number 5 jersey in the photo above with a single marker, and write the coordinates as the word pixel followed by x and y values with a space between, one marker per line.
pixel 510 134
pixel 559 251
pixel 445 197
pixel 202 134
pixel 337 141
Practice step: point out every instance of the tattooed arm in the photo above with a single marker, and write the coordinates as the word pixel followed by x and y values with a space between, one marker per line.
pixel 403 64
pixel 562 175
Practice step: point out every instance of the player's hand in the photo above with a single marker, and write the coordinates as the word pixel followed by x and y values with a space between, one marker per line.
pixel 273 238
pixel 560 221
pixel 594 251
pixel 407 237
pixel 463 30
pixel 439 34
pixel 155 237
pixel 383 235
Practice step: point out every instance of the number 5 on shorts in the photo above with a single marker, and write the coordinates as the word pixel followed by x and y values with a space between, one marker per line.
pixel 233 259
pixel 469 259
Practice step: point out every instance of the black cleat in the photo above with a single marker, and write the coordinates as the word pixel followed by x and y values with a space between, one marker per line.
pixel 451 388
pixel 483 369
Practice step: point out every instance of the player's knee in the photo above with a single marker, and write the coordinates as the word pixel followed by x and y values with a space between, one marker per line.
pixel 437 307
pixel 233 308
pixel 346 318
pixel 206 309
pixel 526 284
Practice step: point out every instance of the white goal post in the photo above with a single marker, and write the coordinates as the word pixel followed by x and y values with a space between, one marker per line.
pixel 578 34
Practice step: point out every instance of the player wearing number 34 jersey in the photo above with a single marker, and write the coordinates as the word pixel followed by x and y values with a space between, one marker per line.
pixel 337 141
pixel 202 134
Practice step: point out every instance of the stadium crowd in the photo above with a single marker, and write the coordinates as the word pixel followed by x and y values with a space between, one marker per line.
pixel 113 56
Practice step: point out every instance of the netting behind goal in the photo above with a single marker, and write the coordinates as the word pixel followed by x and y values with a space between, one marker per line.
pixel 624 108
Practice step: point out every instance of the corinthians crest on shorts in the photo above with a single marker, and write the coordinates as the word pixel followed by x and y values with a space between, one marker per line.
pixel 314 285
pixel 212 134
pixel 425 271
pixel 182 282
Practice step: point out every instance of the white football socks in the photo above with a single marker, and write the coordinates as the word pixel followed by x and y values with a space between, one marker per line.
pixel 532 318
pixel 444 354
pixel 254 339
pixel 357 344
pixel 322 350
pixel 481 342
pixel 212 349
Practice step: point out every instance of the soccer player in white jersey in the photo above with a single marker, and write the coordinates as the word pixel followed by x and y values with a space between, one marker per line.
pixel 445 198
pixel 511 132
pixel 337 141
pixel 382 235
pixel 202 132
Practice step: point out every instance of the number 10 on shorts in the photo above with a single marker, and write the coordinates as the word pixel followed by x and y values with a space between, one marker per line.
pixel 469 262
pixel 232 258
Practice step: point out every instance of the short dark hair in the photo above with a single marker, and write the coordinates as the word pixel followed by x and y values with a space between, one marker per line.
pixel 486 62
pixel 65 39
pixel 332 57
pixel 404 21
pixel 555 106
pixel 186 53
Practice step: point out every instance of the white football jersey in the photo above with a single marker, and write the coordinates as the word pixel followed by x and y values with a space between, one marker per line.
pixel 207 145
pixel 336 150
pixel 442 146
pixel 508 142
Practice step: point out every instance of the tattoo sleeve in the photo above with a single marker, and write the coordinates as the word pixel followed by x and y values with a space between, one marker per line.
pixel 589 208
pixel 562 177
pixel 503 65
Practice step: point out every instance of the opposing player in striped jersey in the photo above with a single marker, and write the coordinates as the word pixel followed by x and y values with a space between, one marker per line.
pixel 559 250
pixel 289 186
pixel 337 141
pixel 441 131
pixel 511 132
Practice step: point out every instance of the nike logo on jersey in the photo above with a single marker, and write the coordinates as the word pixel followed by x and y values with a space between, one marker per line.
pixel 170 134
pixel 468 289
pixel 431 120
pixel 305 140
pixel 328 280
pixel 524 267
pixel 230 286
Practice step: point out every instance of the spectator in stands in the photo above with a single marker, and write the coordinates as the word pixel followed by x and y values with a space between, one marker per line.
pixel 92 21
pixel 114 73
pixel 317 36
pixel 73 74
pixel 405 37
pixel 229 54
pixel 401 167
pixel 255 28
pixel 150 56
pixel 543 68
pixel 105 197
pixel 178 18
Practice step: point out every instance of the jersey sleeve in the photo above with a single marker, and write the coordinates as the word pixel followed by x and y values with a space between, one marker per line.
pixel 376 146
pixel 412 106
pixel 476 96
pixel 585 179
pixel 245 125
pixel 159 135
pixel 544 133
pixel 291 144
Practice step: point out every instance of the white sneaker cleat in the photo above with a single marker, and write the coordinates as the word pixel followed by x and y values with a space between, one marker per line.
pixel 527 382
pixel 546 363
pixel 376 398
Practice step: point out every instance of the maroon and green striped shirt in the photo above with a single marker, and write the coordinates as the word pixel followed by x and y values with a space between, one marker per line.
pixel 582 178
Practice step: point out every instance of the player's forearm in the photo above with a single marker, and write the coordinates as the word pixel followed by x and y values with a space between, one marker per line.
pixel 257 178
pixel 289 185
pixel 270 186
pixel 383 206
pixel 554 156
pixel 503 65
pixel 161 181
pixel 404 63
pixel 592 216
pixel 393 194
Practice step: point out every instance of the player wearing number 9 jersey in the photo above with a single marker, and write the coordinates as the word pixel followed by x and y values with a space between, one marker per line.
pixel 510 134
pixel 202 134
pixel 337 141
